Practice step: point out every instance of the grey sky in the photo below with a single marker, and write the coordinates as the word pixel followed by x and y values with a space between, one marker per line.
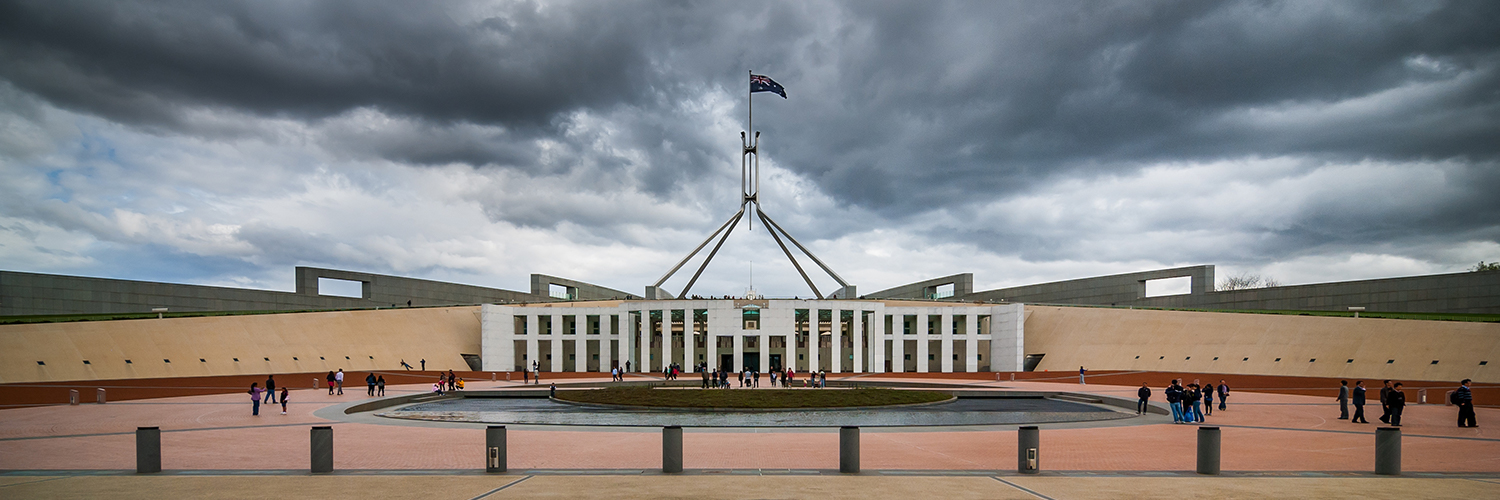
pixel 479 142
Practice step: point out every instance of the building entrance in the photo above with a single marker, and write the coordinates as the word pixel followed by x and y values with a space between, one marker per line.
pixel 776 362
pixel 752 361
pixel 726 362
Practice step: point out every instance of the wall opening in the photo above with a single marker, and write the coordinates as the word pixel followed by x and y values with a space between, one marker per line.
pixel 1181 285
pixel 558 291
pixel 341 288
pixel 943 291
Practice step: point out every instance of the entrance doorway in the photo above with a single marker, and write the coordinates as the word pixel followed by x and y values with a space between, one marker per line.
pixel 726 362
pixel 776 362
pixel 752 361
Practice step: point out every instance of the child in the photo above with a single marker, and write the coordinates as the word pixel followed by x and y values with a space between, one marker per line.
pixel 460 384
pixel 283 400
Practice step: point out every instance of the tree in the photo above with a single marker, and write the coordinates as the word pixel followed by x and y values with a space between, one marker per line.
pixel 1483 266
pixel 1247 280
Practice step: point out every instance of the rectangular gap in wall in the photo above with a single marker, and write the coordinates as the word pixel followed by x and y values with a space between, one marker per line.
pixel 341 288
pixel 943 291
pixel 1181 285
pixel 557 291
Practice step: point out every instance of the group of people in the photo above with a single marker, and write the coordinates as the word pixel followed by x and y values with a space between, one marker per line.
pixel 617 374
pixel 719 378
pixel 450 381
pixel 1393 403
pixel 1189 403
pixel 374 386
pixel 268 393
pixel 531 376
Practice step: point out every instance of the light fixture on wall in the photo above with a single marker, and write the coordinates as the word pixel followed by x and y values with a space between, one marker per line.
pixel 1356 310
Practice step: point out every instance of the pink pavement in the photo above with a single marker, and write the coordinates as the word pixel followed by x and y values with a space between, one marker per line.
pixel 1260 432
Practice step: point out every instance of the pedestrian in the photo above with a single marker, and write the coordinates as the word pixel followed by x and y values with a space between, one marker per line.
pixel 627 365
pixel 755 378
pixel 331 382
pixel 1396 400
pixel 271 389
pixel 1343 400
pixel 1080 375
pixel 404 365
pixel 704 375
pixel 1464 398
pixel 452 381
pixel 1174 399
pixel 424 364
pixel 460 383
pixel 340 378
pixel 525 377
pixel 1359 403
pixel 1385 406
pixel 1208 399
pixel 370 384
pixel 772 373
pixel 380 386
pixel 552 392
pixel 1223 393
pixel 1145 395
pixel 255 397
pixel 284 393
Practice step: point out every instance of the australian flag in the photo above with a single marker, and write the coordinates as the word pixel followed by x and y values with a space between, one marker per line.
pixel 759 83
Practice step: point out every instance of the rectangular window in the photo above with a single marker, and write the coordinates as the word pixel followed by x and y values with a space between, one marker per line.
pixel 341 288
pixel 1181 285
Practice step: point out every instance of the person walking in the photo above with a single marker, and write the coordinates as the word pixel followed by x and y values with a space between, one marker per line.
pixel 1208 399
pixel 1385 406
pixel 1396 400
pixel 1174 400
pixel 1343 400
pixel 1464 398
pixel 271 389
pixel 370 384
pixel 704 376
pixel 452 381
pixel 380 386
pixel 1145 394
pixel 525 377
pixel 1080 375
pixel 1359 403
pixel 255 397
pixel 284 393
pixel 1223 393
pixel 424 364
pixel 552 392
pixel 330 381
pixel 340 377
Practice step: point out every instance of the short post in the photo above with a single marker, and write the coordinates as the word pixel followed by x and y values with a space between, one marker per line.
pixel 322 448
pixel 1422 396
pixel 73 397
pixel 1388 451
pixel 147 450
pixel 1028 440
pixel 315 382
pixel 671 448
pixel 494 443
pixel 99 395
pixel 849 449
pixel 1208 450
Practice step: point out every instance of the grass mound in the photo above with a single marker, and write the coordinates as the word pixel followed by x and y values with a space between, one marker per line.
pixel 751 399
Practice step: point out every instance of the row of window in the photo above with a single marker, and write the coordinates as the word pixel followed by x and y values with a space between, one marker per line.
pixel 200 360
pixel 1314 360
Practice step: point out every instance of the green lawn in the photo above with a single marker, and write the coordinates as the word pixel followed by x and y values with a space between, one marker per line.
pixel 754 398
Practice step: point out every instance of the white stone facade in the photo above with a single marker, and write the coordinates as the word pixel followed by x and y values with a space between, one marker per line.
pixel 853 336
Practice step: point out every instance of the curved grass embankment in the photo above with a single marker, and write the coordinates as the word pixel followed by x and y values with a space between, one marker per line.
pixel 751 399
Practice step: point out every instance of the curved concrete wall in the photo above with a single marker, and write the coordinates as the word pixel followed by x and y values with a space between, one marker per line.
pixel 371 340
pixel 1180 341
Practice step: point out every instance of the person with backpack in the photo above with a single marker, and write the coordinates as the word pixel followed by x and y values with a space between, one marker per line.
pixel 380 386
pixel 1464 398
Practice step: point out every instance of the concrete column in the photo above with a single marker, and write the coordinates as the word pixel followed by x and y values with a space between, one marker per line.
pixel 1028 450
pixel 671 448
pixel 898 343
pixel 666 337
pixel 608 331
pixel 739 354
pixel 858 330
pixel 836 349
pixel 971 342
pixel 765 350
pixel 557 345
pixel 945 337
pixel 627 340
pixel 814 339
pixel 1208 450
pixel 877 341
pixel 849 450
pixel 533 340
pixel 322 448
pixel 923 338
pixel 147 450
pixel 495 450
pixel 580 343
pixel 689 342
pixel 1388 451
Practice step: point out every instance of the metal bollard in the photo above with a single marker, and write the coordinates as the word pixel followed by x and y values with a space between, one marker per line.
pixel 1208 450
pixel 849 449
pixel 494 442
pixel 1422 396
pixel 1388 451
pixel 99 395
pixel 322 448
pixel 671 448
pixel 315 382
pixel 1028 440
pixel 73 397
pixel 147 450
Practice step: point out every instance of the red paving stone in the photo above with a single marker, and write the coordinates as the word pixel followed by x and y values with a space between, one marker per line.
pixel 1261 432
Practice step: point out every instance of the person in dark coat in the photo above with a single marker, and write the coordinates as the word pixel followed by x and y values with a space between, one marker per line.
pixel 270 389
pixel 1385 407
pixel 1359 403
pixel 1343 400
pixel 1464 398
pixel 1223 393
pixel 1145 395
pixel 1396 401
